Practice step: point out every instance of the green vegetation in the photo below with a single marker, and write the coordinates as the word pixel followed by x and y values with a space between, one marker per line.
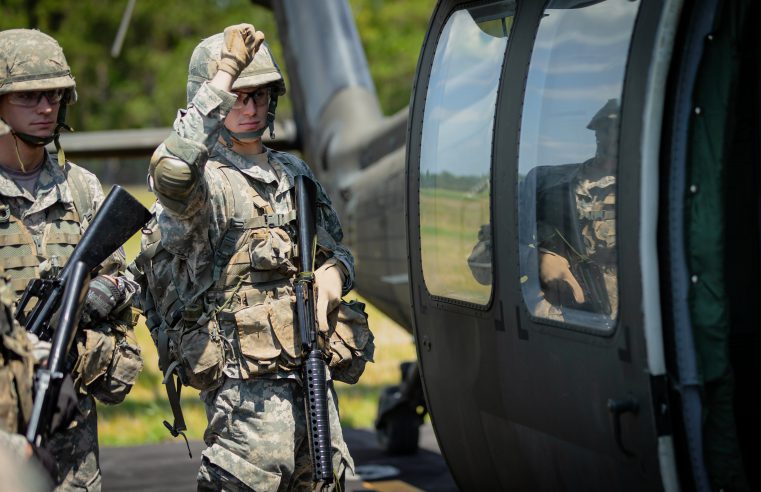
pixel 145 85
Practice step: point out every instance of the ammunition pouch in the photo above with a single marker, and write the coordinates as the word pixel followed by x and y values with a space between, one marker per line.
pixel 264 325
pixel 201 350
pixel 123 371
pixel 350 343
pixel 95 350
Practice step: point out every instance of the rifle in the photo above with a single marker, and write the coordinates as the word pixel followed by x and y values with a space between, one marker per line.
pixel 119 217
pixel 314 367
pixel 49 377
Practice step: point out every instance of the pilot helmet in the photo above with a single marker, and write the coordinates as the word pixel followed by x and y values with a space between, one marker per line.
pixel 31 60
pixel 263 70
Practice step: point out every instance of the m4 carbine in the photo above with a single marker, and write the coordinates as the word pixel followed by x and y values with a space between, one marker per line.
pixel 314 369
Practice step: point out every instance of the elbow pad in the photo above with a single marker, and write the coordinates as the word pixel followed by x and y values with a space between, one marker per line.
pixel 173 178
pixel 175 166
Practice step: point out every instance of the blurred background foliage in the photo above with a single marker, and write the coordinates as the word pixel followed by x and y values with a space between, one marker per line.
pixel 145 84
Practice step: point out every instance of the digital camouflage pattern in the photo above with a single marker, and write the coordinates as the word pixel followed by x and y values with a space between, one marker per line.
pixel 31 60
pixel 205 211
pixel 109 358
pixel 264 446
pixel 242 309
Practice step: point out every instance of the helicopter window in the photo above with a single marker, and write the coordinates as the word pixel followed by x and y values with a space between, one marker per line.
pixel 455 154
pixel 567 162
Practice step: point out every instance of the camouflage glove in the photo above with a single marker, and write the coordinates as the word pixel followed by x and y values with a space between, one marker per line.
pixel 103 296
pixel 555 268
pixel 242 41
pixel 328 284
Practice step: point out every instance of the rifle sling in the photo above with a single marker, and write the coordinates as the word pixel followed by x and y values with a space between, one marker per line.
pixel 173 386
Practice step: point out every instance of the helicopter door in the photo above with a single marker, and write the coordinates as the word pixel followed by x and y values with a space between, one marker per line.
pixel 523 249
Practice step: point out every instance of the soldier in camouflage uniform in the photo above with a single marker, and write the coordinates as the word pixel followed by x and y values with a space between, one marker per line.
pixel 46 203
pixel 217 270
pixel 576 227
pixel 19 471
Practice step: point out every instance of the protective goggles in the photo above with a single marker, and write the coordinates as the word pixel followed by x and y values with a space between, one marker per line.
pixel 31 99
pixel 261 97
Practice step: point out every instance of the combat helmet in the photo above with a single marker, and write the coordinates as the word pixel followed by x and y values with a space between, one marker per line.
pixel 31 60
pixel 263 70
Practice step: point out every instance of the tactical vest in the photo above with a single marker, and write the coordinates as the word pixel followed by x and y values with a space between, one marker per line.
pixel 246 316
pixel 21 255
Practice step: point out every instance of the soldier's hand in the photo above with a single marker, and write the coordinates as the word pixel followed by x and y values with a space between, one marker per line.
pixel 555 268
pixel 103 296
pixel 40 348
pixel 241 43
pixel 328 283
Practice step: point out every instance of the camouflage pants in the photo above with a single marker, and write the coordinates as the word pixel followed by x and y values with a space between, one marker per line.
pixel 257 437
pixel 76 451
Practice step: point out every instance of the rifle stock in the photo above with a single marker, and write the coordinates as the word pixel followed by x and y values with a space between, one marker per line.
pixel 314 367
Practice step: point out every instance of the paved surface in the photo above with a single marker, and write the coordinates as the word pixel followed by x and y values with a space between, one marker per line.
pixel 166 467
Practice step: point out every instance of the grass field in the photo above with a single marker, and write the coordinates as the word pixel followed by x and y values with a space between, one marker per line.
pixel 139 418
pixel 449 222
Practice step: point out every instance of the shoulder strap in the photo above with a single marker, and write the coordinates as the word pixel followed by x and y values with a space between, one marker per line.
pixel 79 193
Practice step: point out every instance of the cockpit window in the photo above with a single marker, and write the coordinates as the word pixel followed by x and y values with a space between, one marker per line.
pixel 455 154
pixel 568 160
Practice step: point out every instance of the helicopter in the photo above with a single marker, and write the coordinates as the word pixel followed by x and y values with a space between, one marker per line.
pixel 567 219
pixel 631 366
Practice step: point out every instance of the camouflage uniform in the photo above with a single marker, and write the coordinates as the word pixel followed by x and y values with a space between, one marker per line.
pixel 16 372
pixel 109 356
pixel 38 232
pixel 219 282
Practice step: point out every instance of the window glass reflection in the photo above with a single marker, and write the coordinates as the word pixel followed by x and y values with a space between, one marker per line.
pixel 568 159
pixel 455 154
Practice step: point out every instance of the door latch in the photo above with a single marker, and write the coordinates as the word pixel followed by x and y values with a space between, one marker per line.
pixel 618 407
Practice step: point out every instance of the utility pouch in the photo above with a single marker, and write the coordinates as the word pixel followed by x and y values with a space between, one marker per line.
pixel 122 374
pixel 95 350
pixel 266 331
pixel 201 350
pixel 350 342
pixel 271 249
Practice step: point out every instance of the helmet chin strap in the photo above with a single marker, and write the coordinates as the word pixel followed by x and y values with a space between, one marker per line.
pixel 36 141
pixel 229 136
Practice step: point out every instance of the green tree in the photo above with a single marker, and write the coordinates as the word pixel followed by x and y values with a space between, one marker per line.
pixel 145 84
